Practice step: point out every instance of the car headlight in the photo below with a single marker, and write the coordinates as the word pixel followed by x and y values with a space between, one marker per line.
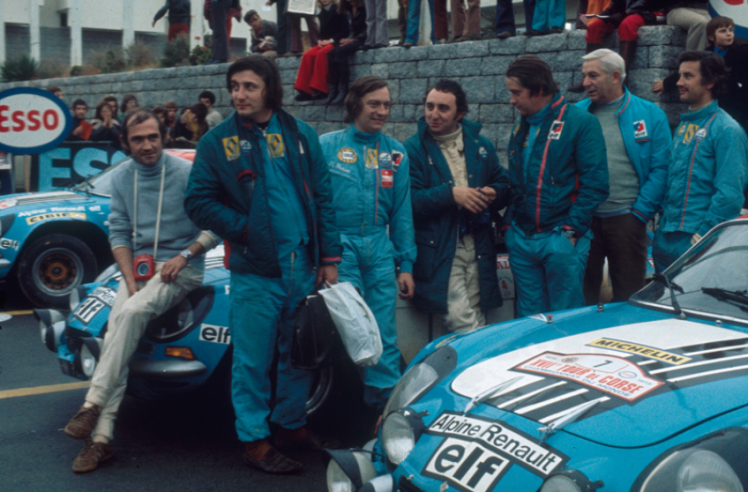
pixel 87 356
pixel 693 470
pixel 570 481
pixel 348 470
pixel 400 433
pixel 421 378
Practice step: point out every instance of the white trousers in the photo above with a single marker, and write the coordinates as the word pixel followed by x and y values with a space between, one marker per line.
pixel 463 298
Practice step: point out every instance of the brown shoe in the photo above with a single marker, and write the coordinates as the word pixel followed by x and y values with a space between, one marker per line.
pixel 305 439
pixel 91 455
pixel 81 425
pixel 274 462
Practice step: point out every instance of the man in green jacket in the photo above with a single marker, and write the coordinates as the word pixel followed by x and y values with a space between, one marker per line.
pixel 261 181
pixel 457 188
pixel 558 169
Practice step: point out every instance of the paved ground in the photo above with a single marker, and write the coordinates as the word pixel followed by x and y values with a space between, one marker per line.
pixel 185 444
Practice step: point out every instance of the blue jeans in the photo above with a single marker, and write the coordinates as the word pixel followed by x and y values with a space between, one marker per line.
pixel 548 270
pixel 261 320
pixel 668 247
pixel 369 264
pixel 548 14
pixel 414 21
pixel 505 16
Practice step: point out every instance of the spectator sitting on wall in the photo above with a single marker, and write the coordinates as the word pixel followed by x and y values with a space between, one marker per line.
pixel 209 100
pixel 55 90
pixel 128 102
pixel 720 33
pixel 311 81
pixel 626 15
pixel 465 24
pixel 504 25
pixel 179 17
pixel 112 101
pixel 338 59
pixel 264 35
pixel 81 131
pixel 105 125
pixel 190 128
pixel 692 16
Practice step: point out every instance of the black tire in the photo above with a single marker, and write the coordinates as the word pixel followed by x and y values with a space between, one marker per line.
pixel 52 266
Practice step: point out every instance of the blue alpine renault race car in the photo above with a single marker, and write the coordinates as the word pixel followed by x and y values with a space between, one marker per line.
pixel 50 243
pixel 645 396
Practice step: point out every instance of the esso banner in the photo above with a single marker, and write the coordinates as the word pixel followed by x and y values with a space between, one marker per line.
pixel 32 120
pixel 737 10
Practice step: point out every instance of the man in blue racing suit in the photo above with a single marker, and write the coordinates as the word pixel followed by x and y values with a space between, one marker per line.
pixel 708 170
pixel 371 192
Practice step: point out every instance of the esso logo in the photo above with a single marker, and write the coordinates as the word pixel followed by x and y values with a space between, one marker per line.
pixel 32 121
pixel 737 10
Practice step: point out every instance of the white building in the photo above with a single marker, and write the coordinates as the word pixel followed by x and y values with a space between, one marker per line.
pixel 70 30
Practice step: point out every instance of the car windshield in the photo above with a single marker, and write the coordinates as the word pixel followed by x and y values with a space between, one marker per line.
pixel 711 278
pixel 99 184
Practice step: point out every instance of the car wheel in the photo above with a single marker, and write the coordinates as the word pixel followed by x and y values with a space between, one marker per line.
pixel 52 266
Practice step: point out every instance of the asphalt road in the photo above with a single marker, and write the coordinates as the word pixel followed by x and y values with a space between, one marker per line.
pixel 184 444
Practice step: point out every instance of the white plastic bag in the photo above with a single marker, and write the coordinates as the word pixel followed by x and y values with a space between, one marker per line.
pixel 355 322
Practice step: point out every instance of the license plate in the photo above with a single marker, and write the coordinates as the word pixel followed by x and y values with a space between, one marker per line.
pixel 88 309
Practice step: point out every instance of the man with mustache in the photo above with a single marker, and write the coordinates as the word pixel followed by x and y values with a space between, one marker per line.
pixel 371 194
pixel 458 188
pixel 708 171
pixel 637 136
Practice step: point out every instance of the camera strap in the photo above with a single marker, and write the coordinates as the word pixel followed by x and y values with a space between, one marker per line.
pixel 158 213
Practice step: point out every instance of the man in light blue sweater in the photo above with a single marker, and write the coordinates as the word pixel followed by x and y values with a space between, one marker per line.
pixel 147 218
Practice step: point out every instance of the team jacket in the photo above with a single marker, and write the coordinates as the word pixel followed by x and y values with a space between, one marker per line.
pixel 227 194
pixel 371 188
pixel 567 175
pixel 436 215
pixel 646 135
pixel 707 172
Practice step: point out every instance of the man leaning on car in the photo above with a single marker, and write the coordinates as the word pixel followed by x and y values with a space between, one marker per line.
pixel 260 181
pixel 149 228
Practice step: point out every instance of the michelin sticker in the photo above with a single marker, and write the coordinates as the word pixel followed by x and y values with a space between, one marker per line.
pixel 609 374
pixel 476 452
pixel 642 350
pixel 215 334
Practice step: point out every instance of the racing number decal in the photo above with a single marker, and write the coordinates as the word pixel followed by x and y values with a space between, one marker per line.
pixel 609 374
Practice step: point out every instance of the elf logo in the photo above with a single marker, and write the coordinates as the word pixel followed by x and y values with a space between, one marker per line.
pixel 467 466
pixel 215 334
pixel 556 129
pixel 640 129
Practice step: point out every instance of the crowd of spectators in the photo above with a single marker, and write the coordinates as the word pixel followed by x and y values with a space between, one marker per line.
pixel 185 127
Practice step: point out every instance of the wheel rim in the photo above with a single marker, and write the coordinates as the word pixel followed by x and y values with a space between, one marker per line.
pixel 57 272
pixel 321 387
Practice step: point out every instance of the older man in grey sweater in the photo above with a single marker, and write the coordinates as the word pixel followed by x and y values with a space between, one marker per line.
pixel 147 218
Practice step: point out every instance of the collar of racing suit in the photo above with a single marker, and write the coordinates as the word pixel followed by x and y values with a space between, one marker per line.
pixel 363 137
pixel 707 110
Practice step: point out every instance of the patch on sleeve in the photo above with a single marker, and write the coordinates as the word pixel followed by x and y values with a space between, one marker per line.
pixel 231 147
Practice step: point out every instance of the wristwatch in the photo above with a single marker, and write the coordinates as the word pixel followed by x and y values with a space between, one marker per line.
pixel 186 254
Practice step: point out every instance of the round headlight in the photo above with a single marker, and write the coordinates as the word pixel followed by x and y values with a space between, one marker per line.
pixel 559 483
pixel 706 471
pixel 337 480
pixel 87 362
pixel 398 437
pixel 413 383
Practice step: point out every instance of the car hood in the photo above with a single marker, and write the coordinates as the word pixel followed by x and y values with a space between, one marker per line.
pixel 20 200
pixel 650 378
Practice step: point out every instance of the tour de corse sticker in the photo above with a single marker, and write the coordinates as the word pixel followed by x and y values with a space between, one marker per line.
pixel 737 10
pixel 32 121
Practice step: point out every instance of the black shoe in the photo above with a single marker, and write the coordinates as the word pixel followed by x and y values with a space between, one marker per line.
pixel 504 35
pixel 303 96
pixel 274 462
pixel 557 30
pixel 340 99
pixel 332 95
pixel 533 32
pixel 318 96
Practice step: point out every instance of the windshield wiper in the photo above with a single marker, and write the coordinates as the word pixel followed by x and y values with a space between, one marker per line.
pixel 731 296
pixel 672 286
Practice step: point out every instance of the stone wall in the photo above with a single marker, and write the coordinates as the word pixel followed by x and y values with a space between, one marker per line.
pixel 479 66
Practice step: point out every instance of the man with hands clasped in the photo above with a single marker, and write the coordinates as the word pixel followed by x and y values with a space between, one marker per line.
pixel 147 218
pixel 458 188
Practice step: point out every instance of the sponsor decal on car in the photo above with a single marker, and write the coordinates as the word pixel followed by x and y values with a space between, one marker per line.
pixel 95 208
pixel 33 212
pixel 67 209
pixel 215 334
pixel 105 294
pixel 6 243
pixel 56 215
pixel 609 374
pixel 10 202
pixel 88 308
pixel 643 350
pixel 477 452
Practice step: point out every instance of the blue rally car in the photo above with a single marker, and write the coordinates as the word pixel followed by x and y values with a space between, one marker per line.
pixel 645 396
pixel 50 243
